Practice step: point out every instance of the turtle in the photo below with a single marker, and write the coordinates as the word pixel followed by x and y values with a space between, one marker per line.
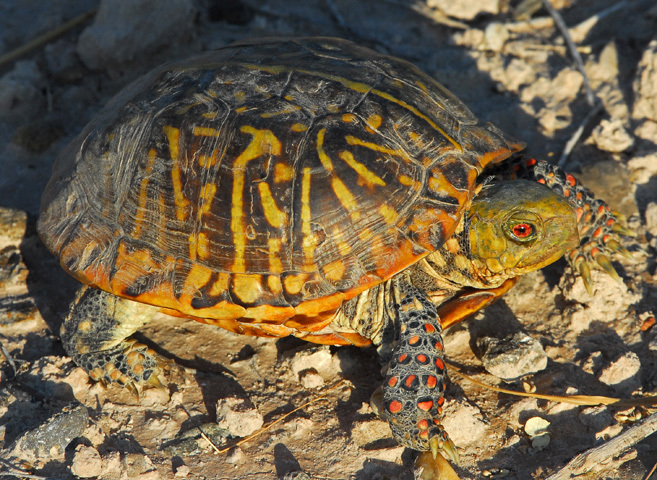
pixel 309 187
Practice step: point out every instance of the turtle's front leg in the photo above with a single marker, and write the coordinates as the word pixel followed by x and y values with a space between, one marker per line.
pixel 415 377
pixel 95 335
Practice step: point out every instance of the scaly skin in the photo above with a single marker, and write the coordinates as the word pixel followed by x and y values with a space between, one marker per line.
pixel 95 335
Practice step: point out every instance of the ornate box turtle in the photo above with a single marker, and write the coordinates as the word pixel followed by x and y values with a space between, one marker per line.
pixel 306 187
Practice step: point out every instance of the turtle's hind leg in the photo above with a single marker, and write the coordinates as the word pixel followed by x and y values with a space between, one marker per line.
pixel 95 334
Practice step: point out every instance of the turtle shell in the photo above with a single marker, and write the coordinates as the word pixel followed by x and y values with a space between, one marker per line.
pixel 265 183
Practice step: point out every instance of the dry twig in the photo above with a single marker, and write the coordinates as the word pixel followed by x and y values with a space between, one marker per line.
pixel 46 37
pixel 586 461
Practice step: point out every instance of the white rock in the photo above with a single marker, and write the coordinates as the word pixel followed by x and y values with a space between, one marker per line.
pixel 463 423
pixel 123 31
pixel 536 426
pixel 238 416
pixel 645 86
pixel 611 136
pixel 624 373
pixel 86 462
pixel 21 90
pixel 465 9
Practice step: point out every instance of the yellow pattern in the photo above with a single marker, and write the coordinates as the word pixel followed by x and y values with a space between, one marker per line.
pixel 173 136
pixel 264 142
pixel 143 193
pixel 369 177
pixel 276 217
pixel 341 191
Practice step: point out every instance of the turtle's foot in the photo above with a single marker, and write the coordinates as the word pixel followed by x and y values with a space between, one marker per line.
pixel 129 365
pixel 95 335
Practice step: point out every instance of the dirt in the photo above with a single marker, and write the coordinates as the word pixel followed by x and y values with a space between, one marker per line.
pixel 515 72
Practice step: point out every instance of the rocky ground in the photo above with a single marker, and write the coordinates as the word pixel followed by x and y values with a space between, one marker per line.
pixel 510 64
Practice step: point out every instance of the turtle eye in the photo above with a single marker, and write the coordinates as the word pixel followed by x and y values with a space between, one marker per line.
pixel 522 231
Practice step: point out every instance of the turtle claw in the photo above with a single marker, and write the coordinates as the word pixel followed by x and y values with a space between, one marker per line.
pixel 585 273
pixel 132 388
pixel 154 382
pixel 437 444
pixel 621 229
pixel 616 247
pixel 605 263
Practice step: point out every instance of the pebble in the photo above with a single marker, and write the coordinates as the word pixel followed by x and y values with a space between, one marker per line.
pixel 139 466
pixel 598 418
pixel 513 356
pixel 238 416
pixel 311 379
pixel 370 431
pixel 55 433
pixel 645 85
pixel 623 373
pixel 611 136
pixel 651 218
pixel 465 9
pixel 125 31
pixel 318 362
pixel 21 91
pixel 495 35
pixel 86 462
pixel 464 424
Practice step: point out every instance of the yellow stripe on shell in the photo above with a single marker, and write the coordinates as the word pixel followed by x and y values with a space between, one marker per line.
pixel 275 264
pixel 263 142
pixel 143 193
pixel 309 241
pixel 173 136
pixel 370 178
pixel 341 191
pixel 275 216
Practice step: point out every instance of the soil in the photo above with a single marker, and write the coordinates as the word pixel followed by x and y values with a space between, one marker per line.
pixel 510 64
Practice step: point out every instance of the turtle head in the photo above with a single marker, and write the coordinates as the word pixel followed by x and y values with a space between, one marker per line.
pixel 519 226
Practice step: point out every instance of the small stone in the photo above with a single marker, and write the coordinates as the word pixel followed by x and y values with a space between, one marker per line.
pixel 86 462
pixel 464 423
pixel 370 431
pixel 495 36
pixel 645 86
pixel 623 373
pixel 611 136
pixel 55 433
pixel 651 218
pixel 111 465
pixel 598 418
pixel 536 426
pixel 235 456
pixel 139 466
pixel 311 379
pixel 513 356
pixel 540 442
pixel 122 31
pixel 238 416
pixel 465 9
pixel 319 361
pixel 21 90
pixel 182 471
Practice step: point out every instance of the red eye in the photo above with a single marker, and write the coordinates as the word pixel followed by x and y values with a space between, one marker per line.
pixel 522 230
